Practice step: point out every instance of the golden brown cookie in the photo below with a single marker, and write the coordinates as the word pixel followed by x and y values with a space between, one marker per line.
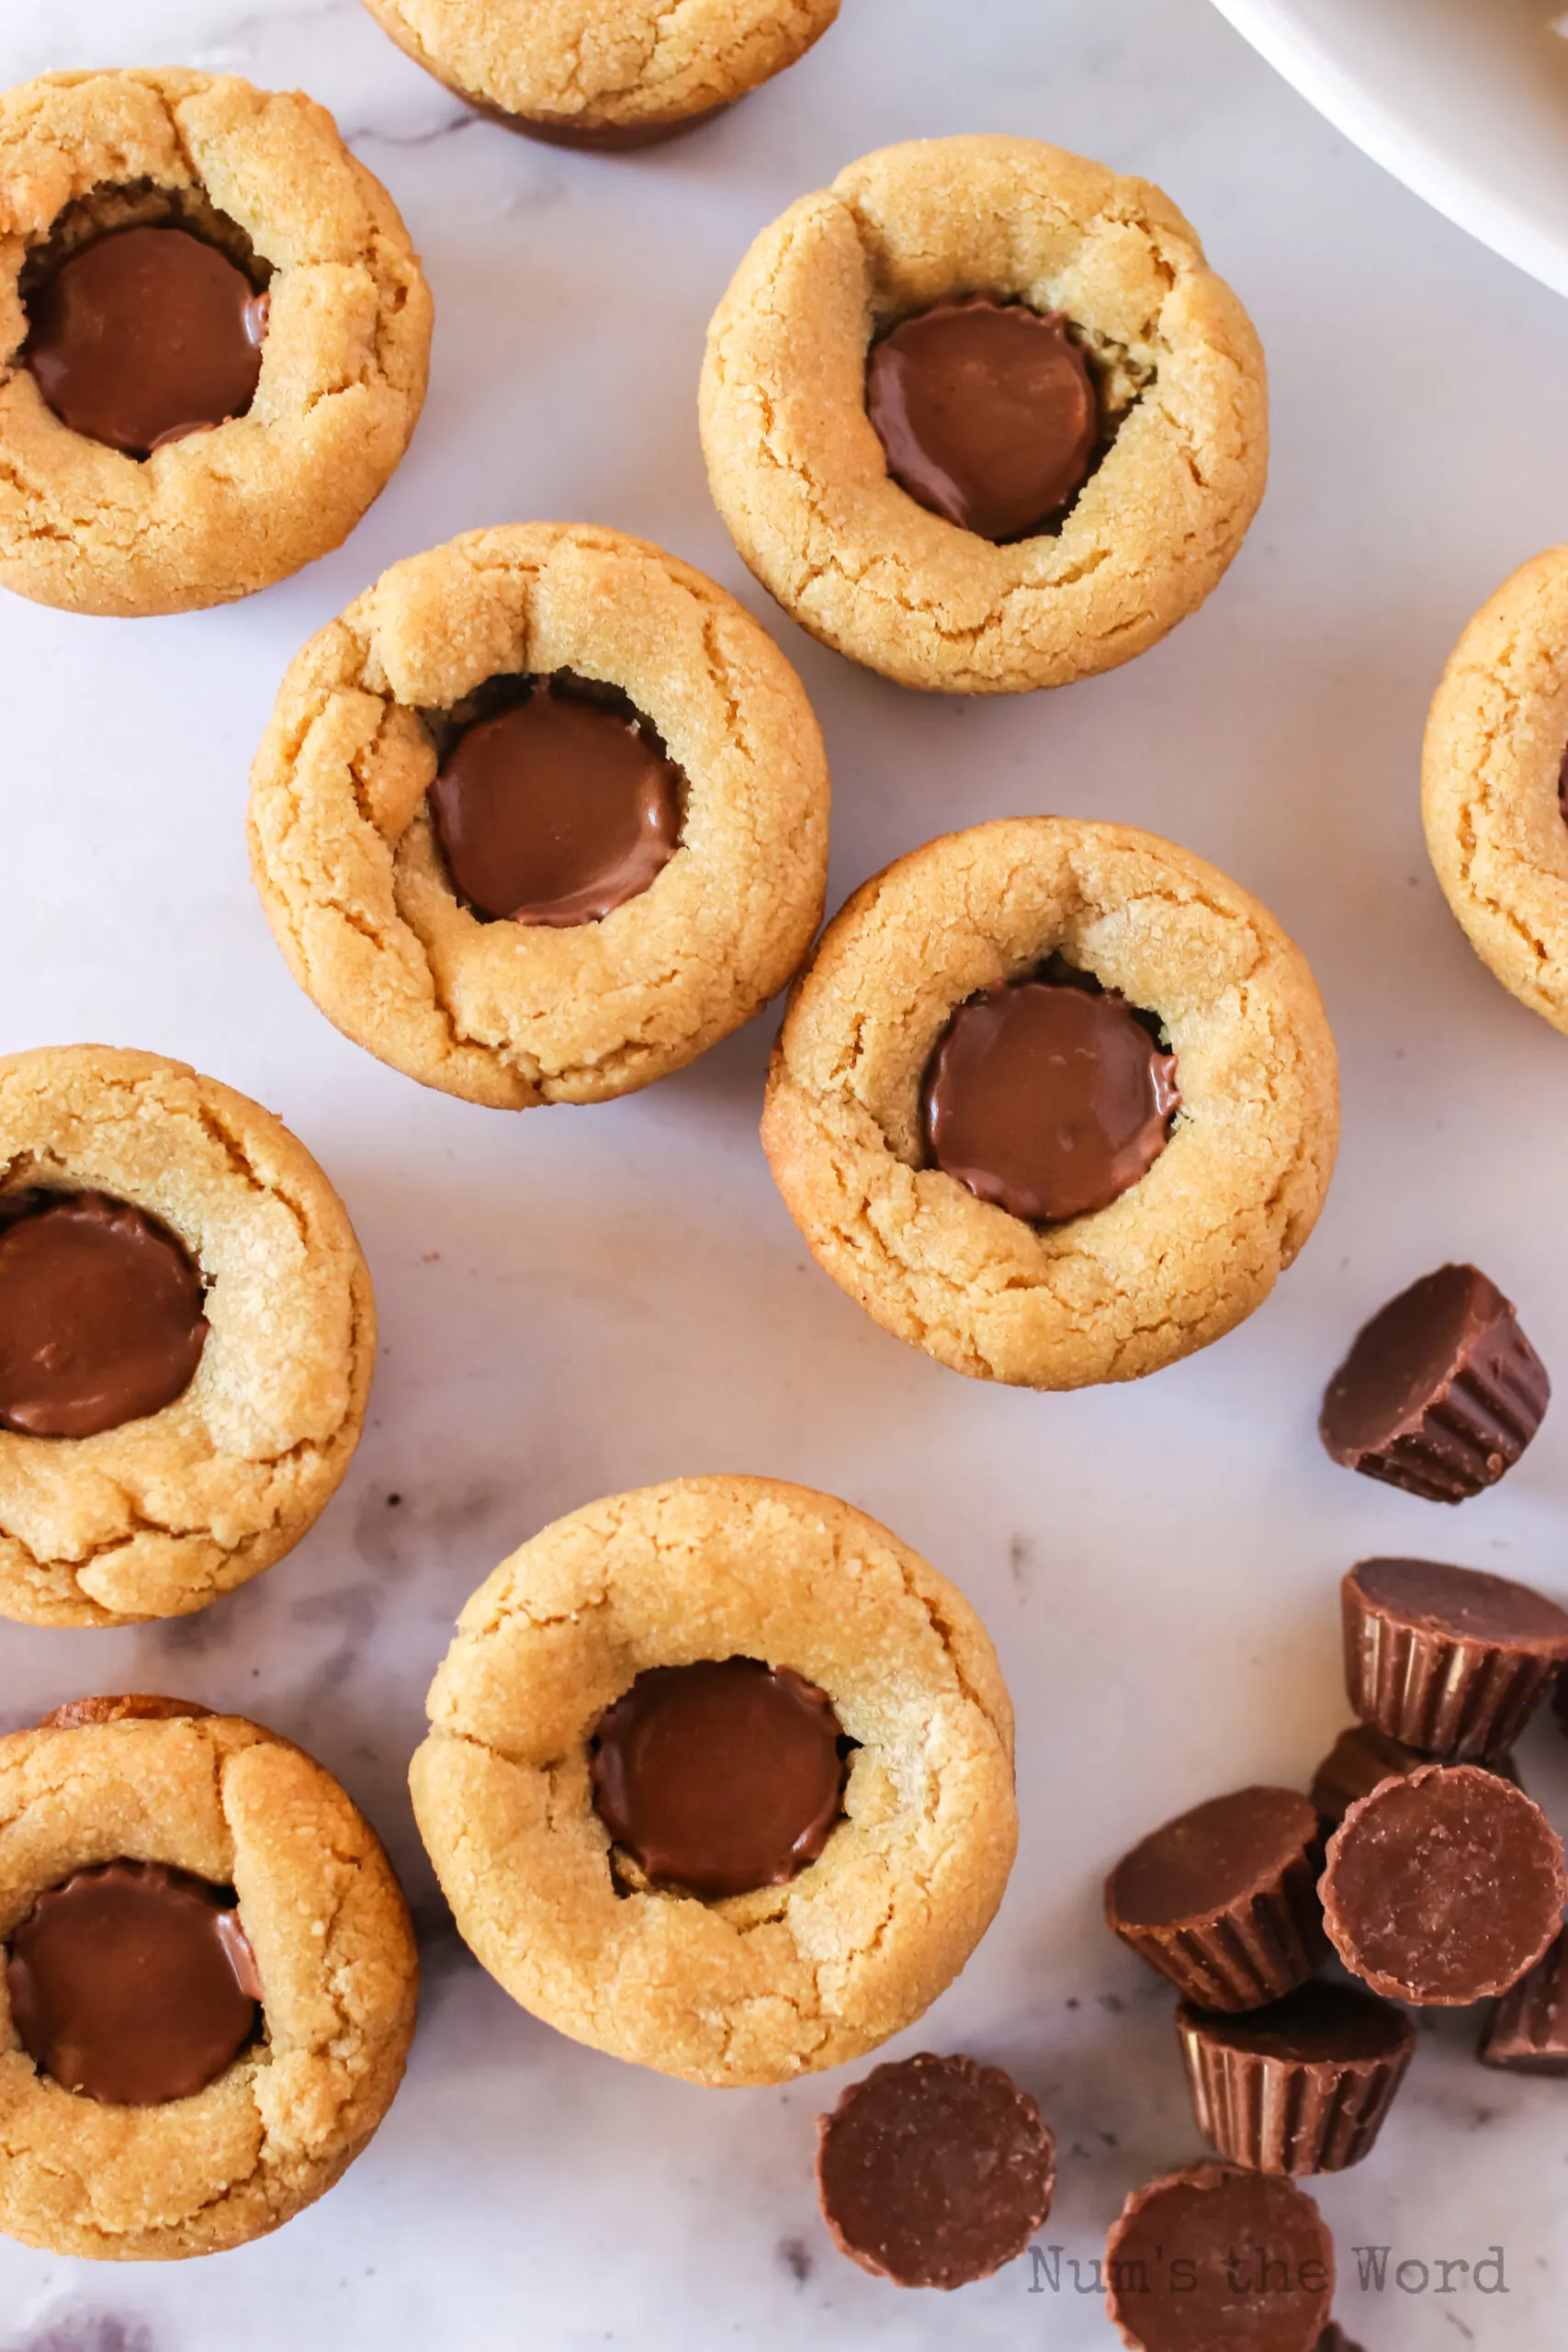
pixel 1190 1248
pixel 744 1987
pixel 360 895
pixel 157 1514
pixel 801 478
pixel 325 1938
pixel 1492 785
pixel 263 177
pixel 606 73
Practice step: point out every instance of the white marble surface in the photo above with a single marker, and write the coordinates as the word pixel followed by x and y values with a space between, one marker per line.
pixel 579 1300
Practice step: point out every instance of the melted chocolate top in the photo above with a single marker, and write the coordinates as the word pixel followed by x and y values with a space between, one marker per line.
pixel 986 411
pixel 557 810
pixel 144 335
pixel 1048 1098
pixel 133 1983
pixel 101 1316
pixel 719 1777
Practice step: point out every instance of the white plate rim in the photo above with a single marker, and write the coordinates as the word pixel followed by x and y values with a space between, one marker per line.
pixel 1277 33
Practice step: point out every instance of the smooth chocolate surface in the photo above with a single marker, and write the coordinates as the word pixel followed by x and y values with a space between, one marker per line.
pixel 557 810
pixel 721 1776
pixel 1204 1861
pixel 1048 1099
pixel 1443 1886
pixel 1217 2259
pixel 125 1707
pixel 1463 1604
pixel 133 1983
pixel 1440 1393
pixel 101 1316
pixel 1528 2031
pixel 934 2171
pixel 144 335
pixel 986 411
pixel 1362 1758
pixel 1318 2024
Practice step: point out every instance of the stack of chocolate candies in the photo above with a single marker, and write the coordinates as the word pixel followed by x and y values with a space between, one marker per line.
pixel 1441 1884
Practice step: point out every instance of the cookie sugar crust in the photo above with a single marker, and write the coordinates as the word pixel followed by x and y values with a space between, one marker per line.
pixel 1494 746
pixel 223 514
pixel 352 878
pixel 1180 1259
pixel 159 1516
pixel 326 1920
pixel 605 64
pixel 800 477
pixel 755 1988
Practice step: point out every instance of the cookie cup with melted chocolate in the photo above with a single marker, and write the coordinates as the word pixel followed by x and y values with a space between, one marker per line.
pixel 612 76
pixel 188 1336
pixel 1492 784
pixel 251 470
pixel 1153 510
pixel 156 1794
pixel 1230 1185
pixel 813 1958
pixel 404 739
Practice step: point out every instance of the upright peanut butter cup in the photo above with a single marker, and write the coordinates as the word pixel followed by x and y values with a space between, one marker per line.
pixel 1217 2259
pixel 1448 1660
pixel 1301 2087
pixel 1528 2031
pixel 1443 1887
pixel 1222 1900
pixel 1361 1759
pixel 1441 1392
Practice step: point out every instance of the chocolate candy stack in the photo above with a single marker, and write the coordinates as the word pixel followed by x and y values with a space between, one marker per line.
pixel 1421 1862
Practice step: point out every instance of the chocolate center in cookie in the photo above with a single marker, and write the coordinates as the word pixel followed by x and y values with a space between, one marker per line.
pixel 1049 1096
pixel 720 1777
pixel 559 808
pixel 133 1983
pixel 100 1314
pixel 144 335
pixel 988 412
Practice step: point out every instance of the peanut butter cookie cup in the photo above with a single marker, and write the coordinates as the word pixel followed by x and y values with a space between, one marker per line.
pixel 207 1981
pixel 1053 1100
pixel 719 1780
pixel 1493 781
pixel 186 1338
pixel 981 416
pixel 610 74
pixel 541 816
pixel 214 336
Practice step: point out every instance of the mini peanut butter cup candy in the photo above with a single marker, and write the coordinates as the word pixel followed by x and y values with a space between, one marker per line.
pixel 1441 1392
pixel 1301 2087
pixel 1448 1659
pixel 719 1780
pixel 1361 1759
pixel 1223 1899
pixel 1216 2259
pixel 214 338
pixel 541 816
pixel 1443 1886
pixel 1054 1101
pixel 608 75
pixel 1528 2031
pixel 934 2172
pixel 1334 2339
pixel 981 416
pixel 207 1981
pixel 186 1338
